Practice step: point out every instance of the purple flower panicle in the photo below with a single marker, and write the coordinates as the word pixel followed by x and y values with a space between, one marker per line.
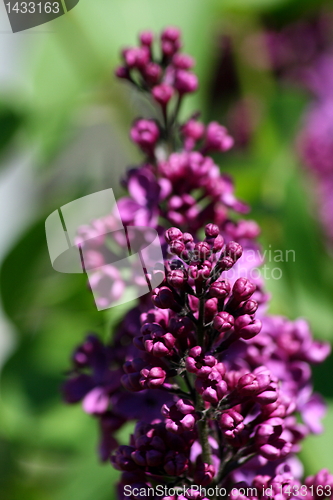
pixel 218 389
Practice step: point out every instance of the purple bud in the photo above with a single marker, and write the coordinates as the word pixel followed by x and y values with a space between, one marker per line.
pixel 243 289
pixel 225 263
pixel 249 307
pixel 146 38
pixel 171 34
pixel 230 419
pixel 152 377
pixel 278 449
pixel 123 460
pixel 131 382
pixel 269 430
pixel 163 299
pixel 212 230
pixel 173 234
pixel 136 57
pixel 204 474
pixel 212 387
pixel 211 307
pixel 169 48
pixel 234 250
pixel 179 417
pixel 183 61
pixel 162 93
pixel 122 72
pixel 175 463
pixel 176 247
pixel 177 278
pixel 218 243
pixel 145 133
pixel 187 238
pixel 267 397
pixel 202 250
pixel 223 322
pixel 220 289
pixel 186 82
pixel 192 131
pixel 199 364
pixel 251 384
pixel 152 73
pixel 217 138
pixel 247 327
pixel 160 346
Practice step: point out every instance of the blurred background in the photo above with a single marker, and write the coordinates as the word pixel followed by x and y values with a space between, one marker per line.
pixel 266 71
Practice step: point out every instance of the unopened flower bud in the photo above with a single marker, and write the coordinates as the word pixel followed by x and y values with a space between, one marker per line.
pixel 217 138
pixel 183 61
pixel 164 299
pixel 136 57
pixel 204 474
pixel 186 82
pixel 247 327
pixel 177 247
pixel 243 289
pixel 278 449
pixel 271 429
pixel 162 93
pixel 223 322
pixel 170 34
pixel 225 263
pixel 145 133
pixel 173 234
pixel 212 230
pixel 122 72
pixel 152 378
pixel 251 384
pixel 187 238
pixel 177 278
pixel 220 289
pixel 211 307
pixel 249 307
pixel 146 38
pixel 218 243
pixel 175 463
pixel 152 73
pixel 202 250
pixel 233 250
pixel 193 129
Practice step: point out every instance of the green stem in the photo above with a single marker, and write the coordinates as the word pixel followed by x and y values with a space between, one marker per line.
pixel 203 433
pixel 203 428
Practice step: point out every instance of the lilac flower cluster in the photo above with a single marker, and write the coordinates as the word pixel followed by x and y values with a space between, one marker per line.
pixel 220 391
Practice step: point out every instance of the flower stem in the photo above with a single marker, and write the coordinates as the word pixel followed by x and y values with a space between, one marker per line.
pixel 203 424
pixel 203 433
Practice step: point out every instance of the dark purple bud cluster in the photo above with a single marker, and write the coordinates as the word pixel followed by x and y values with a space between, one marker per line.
pixel 163 70
pixel 154 452
pixel 214 137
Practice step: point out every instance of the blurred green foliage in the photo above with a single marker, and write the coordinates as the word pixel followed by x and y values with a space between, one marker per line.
pixel 47 450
